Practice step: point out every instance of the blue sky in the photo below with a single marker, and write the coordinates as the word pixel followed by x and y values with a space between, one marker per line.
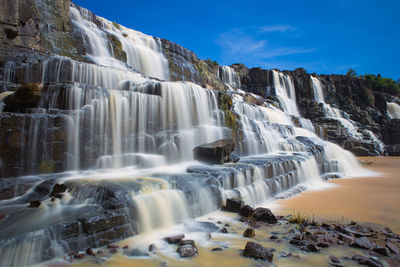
pixel 321 36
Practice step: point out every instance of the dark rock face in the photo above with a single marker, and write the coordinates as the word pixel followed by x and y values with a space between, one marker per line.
pixel 256 251
pixel 264 214
pixel 216 152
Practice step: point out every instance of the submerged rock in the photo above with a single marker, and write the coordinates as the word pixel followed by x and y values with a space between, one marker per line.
pixel 217 152
pixel 256 251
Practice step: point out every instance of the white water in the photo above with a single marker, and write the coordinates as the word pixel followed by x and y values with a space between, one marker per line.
pixel 229 76
pixel 143 52
pixel 393 110
pixel 284 89
pixel 128 125
pixel 334 113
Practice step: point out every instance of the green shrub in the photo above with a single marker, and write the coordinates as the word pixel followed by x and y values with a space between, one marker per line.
pixel 381 84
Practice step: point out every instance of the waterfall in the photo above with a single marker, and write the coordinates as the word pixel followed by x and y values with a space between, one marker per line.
pixel 229 76
pixel 284 89
pixel 334 113
pixel 393 110
pixel 143 52
pixel 120 136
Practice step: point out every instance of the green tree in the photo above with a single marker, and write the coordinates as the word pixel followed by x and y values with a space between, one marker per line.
pixel 351 72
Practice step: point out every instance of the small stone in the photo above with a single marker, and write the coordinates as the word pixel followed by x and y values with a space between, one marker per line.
pixel 312 247
pixel 362 242
pixel 274 237
pixel 393 248
pixel 345 238
pixel 100 252
pixel 176 239
pixel 340 242
pixel 113 251
pixel 152 248
pixel 217 249
pixel 249 232
pixel 90 252
pixel 125 247
pixel 323 245
pixel 334 259
pixel 256 251
pixel 383 251
pixel 298 242
pixel 227 225
pixel 79 256
pixel 34 204
pixel 298 237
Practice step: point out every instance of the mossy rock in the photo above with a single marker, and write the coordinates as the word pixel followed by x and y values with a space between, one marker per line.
pixel 27 95
pixel 116 45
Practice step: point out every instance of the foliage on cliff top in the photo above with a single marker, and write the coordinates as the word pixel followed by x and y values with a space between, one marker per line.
pixel 381 84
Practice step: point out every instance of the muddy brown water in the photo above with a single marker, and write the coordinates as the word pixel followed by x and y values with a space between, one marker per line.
pixel 365 199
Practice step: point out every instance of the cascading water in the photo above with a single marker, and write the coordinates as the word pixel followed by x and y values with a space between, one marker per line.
pixel 143 52
pixel 393 110
pixel 126 141
pixel 229 76
pixel 284 89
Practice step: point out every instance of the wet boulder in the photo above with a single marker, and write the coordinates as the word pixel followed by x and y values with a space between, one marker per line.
pixel 27 95
pixel 187 248
pixel 246 211
pixel 233 205
pixel 265 215
pixel 216 152
pixel 176 239
pixel 258 252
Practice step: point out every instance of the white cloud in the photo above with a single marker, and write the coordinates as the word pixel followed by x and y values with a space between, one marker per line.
pixel 251 45
pixel 276 28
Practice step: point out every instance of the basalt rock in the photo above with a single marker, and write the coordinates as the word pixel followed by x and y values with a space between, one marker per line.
pixel 265 215
pixel 187 248
pixel 256 251
pixel 216 152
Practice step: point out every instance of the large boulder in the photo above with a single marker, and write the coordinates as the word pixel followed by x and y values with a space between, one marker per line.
pixel 265 215
pixel 216 152
pixel 258 252
pixel 27 96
